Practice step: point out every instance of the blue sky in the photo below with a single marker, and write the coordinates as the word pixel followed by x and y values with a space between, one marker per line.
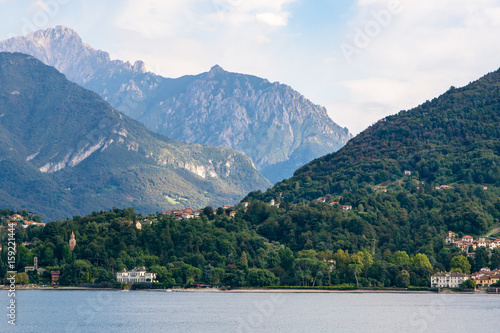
pixel 361 59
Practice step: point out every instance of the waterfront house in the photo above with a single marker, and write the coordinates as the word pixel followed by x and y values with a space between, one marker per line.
pixel 485 277
pixel 139 275
pixel 54 276
pixel 448 280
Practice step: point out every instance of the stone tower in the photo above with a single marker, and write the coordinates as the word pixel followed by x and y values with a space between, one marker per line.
pixel 72 241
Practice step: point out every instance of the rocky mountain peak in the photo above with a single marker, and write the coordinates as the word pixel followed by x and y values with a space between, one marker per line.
pixel 56 32
pixel 274 125
pixel 215 70
pixel 139 66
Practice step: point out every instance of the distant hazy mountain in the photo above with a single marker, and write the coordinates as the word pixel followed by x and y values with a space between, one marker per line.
pixel 64 151
pixel 270 122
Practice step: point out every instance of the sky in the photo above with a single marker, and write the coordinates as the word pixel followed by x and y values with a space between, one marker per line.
pixel 361 59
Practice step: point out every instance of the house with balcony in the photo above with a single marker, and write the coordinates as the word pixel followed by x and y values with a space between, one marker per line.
pixel 448 280
pixel 450 237
pixel 136 275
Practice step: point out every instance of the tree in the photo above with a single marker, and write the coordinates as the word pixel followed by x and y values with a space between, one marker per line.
pixel 421 260
pixel 234 278
pixel 400 258
pixel 468 284
pixel 460 264
pixel 341 258
pixel 258 277
pixel 481 259
pixel 286 258
pixel 25 256
pixel 217 275
pixel 162 275
pixel 81 266
pixel 209 212
pixel 356 266
pixel 403 279
pixel 21 278
pixel 495 259
pixel 243 259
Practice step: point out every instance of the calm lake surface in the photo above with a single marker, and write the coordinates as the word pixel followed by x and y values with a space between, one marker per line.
pixel 139 311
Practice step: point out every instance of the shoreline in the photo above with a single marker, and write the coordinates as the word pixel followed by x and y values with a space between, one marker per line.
pixel 262 290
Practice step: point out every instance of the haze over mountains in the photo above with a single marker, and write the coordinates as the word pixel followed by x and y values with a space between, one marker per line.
pixel 64 151
pixel 269 122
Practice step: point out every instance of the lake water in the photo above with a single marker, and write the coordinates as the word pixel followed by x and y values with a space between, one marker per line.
pixel 43 311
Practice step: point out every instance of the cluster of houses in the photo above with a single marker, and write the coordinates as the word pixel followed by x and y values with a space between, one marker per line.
pixel 25 223
pixel 189 213
pixel 468 243
pixel 345 208
pixel 183 214
pixel 443 187
pixel 484 278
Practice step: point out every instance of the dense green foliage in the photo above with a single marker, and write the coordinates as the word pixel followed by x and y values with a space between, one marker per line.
pixel 453 140
pixel 394 235
pixel 216 251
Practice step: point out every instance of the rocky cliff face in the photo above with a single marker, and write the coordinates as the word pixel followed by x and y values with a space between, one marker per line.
pixel 278 128
pixel 64 151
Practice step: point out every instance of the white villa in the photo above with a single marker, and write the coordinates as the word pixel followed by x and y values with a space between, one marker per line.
pixel 135 275
pixel 448 280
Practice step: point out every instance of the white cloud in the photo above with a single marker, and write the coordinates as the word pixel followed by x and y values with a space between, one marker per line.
pixel 262 39
pixel 156 18
pixel 272 19
pixel 423 50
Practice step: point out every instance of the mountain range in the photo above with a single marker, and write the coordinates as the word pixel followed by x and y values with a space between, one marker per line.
pixel 278 128
pixel 64 151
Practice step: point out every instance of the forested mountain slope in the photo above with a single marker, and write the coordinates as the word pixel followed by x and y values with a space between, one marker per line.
pixel 64 151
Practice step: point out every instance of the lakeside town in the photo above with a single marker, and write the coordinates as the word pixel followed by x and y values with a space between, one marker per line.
pixel 481 279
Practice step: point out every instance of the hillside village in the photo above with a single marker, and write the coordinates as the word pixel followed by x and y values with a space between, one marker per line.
pixel 468 244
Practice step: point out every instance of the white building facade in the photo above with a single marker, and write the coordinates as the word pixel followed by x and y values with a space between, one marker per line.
pixel 139 275
pixel 448 280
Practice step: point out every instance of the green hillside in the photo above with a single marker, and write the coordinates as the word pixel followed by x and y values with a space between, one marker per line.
pixel 453 140
pixel 374 214
pixel 65 151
